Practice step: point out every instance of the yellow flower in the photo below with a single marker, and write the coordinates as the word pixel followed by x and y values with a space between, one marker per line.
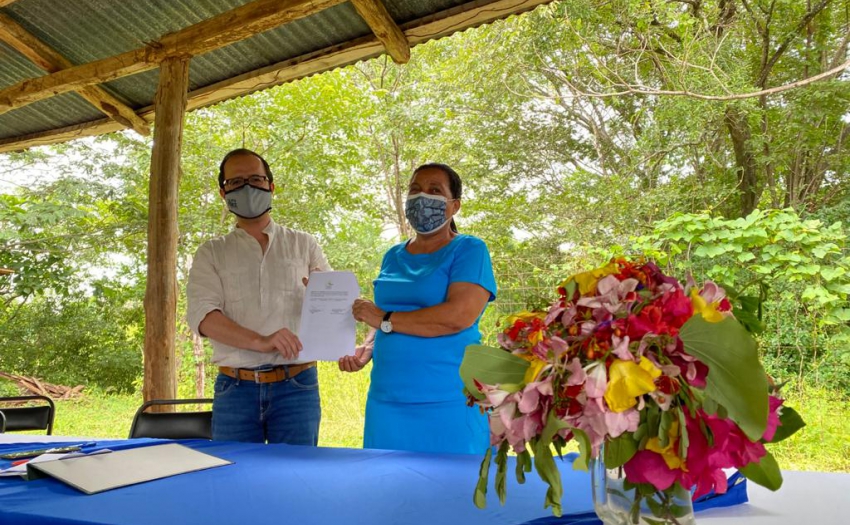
pixel 708 310
pixel 534 368
pixel 627 380
pixel 587 280
pixel 670 452
pixel 526 316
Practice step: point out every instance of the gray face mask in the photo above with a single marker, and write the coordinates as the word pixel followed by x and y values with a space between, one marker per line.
pixel 248 202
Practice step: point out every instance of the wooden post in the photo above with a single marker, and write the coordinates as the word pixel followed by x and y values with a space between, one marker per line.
pixel 161 293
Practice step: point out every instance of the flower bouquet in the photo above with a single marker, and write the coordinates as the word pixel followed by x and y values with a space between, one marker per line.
pixel 658 382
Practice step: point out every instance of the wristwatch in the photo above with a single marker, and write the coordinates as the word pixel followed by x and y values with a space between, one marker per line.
pixel 386 324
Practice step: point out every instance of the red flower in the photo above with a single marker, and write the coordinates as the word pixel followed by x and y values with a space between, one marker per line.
pixel 667 385
pixel 513 333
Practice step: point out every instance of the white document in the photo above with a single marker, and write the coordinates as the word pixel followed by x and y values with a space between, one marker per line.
pixel 95 473
pixel 327 324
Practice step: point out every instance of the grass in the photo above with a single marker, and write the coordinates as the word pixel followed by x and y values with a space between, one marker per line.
pixel 98 414
pixel 823 445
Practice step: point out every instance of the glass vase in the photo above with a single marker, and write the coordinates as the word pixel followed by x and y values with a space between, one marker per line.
pixel 617 502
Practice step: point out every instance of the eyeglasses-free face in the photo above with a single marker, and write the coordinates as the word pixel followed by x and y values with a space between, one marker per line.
pixel 258 181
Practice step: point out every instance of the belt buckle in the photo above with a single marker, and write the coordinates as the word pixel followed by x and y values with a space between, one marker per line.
pixel 258 371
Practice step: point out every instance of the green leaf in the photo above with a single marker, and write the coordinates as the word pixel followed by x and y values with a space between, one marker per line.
pixel 548 471
pixel 656 507
pixel 619 450
pixel 789 423
pixel 766 472
pixel 491 366
pixel 664 428
pixel 684 441
pixel 480 495
pixel 831 274
pixel 553 425
pixel 523 465
pixel 710 251
pixel 736 378
pixel 583 449
pixel 502 471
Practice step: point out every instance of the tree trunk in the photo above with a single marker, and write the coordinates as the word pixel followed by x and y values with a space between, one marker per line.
pixel 747 168
pixel 160 380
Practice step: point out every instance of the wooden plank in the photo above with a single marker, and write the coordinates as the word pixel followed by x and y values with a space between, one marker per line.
pixel 219 31
pixel 51 61
pixel 375 14
pixel 64 134
pixel 438 25
pixel 160 381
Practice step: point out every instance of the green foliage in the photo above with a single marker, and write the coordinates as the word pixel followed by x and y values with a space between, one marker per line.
pixel 798 266
pixel 92 341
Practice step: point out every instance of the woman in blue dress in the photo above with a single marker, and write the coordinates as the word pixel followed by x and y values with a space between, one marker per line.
pixel 429 297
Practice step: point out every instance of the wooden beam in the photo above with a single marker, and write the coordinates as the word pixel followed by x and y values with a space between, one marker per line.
pixel 376 16
pixel 219 31
pixel 160 380
pixel 51 61
pixel 438 25
pixel 4 3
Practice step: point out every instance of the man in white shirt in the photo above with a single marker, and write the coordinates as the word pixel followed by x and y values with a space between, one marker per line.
pixel 245 293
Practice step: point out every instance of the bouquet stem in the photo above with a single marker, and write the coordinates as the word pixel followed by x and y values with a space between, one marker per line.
pixel 618 502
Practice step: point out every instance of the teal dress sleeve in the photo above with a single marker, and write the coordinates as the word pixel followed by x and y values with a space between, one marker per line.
pixel 472 264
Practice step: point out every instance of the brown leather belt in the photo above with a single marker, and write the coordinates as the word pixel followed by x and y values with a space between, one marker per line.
pixel 272 375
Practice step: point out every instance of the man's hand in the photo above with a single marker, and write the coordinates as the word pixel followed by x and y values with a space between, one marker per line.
pixel 354 363
pixel 366 312
pixel 283 342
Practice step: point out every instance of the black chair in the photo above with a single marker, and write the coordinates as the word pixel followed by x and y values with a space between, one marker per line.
pixel 17 418
pixel 172 425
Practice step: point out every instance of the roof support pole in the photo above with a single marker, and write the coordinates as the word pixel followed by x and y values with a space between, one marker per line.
pixel 160 381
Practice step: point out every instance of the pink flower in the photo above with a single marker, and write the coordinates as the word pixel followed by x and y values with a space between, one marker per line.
pixel 621 348
pixel 577 375
pixel 649 467
pixel 597 379
pixel 772 418
pixel 619 422
pixel 536 396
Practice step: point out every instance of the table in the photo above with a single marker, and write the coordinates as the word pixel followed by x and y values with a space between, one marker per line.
pixel 279 484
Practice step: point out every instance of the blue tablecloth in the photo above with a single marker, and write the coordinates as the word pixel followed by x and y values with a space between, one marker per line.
pixel 283 484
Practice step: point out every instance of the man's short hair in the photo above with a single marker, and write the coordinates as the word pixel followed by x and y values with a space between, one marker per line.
pixel 236 153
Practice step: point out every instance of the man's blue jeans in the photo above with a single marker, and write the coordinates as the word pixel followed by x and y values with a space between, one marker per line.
pixel 283 412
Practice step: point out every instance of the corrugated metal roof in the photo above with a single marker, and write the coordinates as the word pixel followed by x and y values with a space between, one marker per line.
pixel 84 31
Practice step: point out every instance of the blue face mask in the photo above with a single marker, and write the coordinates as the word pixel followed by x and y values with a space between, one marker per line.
pixel 248 202
pixel 426 213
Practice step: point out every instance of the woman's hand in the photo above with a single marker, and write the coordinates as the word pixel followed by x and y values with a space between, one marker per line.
pixel 355 363
pixel 366 312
